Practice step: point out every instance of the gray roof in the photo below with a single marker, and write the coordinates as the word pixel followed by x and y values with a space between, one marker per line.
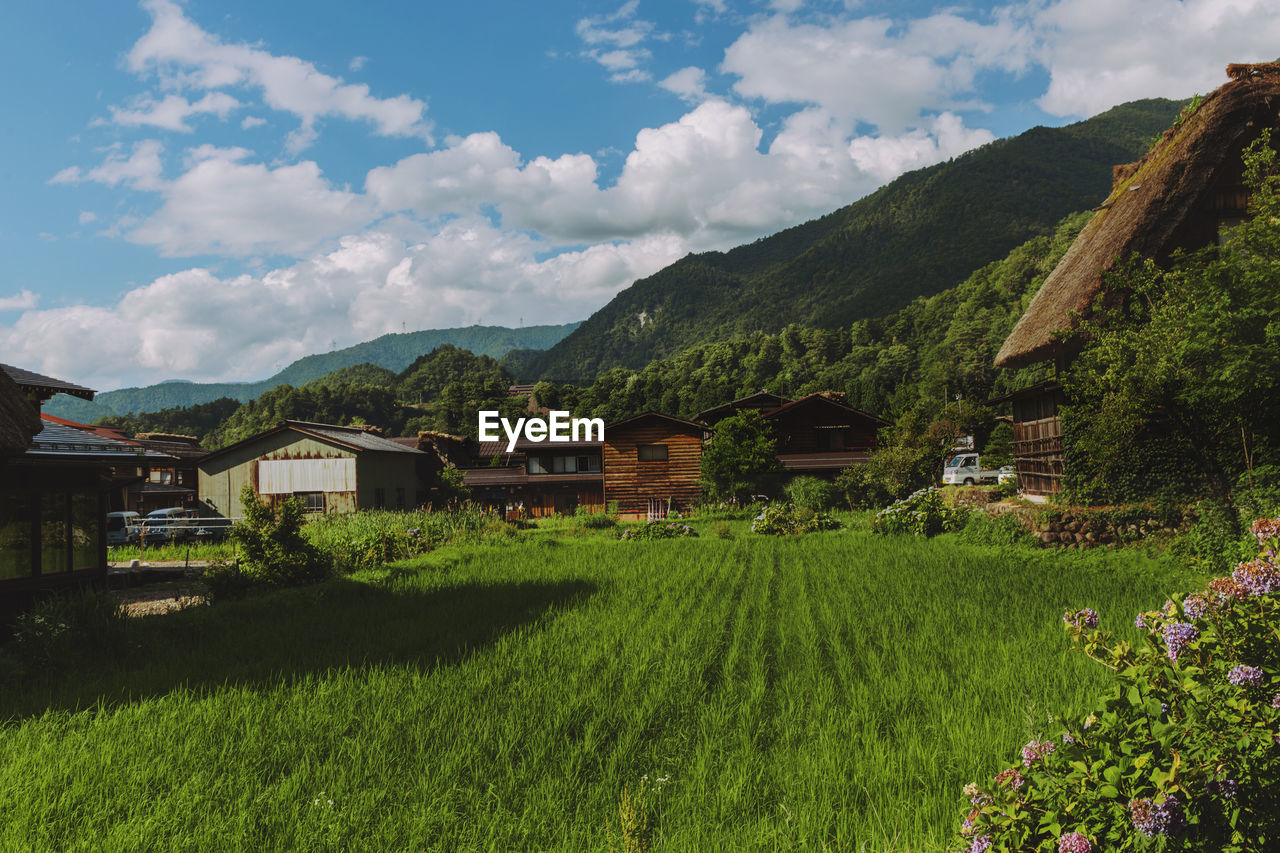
pixel 57 441
pixel 31 379
pixel 355 437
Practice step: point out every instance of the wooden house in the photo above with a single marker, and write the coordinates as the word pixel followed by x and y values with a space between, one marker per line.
pixel 819 434
pixel 1181 195
pixel 330 468
pixel 173 482
pixel 538 478
pixel 652 465
pixel 54 481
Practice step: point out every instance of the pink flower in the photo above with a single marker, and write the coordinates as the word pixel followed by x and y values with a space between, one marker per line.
pixel 1074 842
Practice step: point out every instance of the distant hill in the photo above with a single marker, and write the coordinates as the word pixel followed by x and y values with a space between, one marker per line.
pixel 919 235
pixel 394 352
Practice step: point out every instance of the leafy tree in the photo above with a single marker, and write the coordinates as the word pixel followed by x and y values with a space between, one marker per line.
pixel 740 459
pixel 271 545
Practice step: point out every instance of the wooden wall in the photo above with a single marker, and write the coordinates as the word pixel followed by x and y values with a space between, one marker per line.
pixel 635 484
pixel 1037 442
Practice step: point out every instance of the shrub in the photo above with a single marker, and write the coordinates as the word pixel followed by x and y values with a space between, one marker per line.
pixel 1183 751
pixel 66 630
pixel 722 530
pixel 225 579
pixel 594 520
pixel 1005 530
pixel 782 519
pixel 922 513
pixel 657 530
pixel 812 493
pixel 272 548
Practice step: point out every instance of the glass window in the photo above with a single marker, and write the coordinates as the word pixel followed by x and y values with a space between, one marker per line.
pixel 652 453
pixel 537 465
pixel 15 536
pixel 311 501
pixel 53 533
pixel 84 531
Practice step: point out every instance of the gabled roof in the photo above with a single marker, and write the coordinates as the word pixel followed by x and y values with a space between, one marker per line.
pixel 1146 207
pixel 765 401
pixel 350 437
pixel 19 420
pixel 701 427
pixel 104 431
pixel 184 447
pixel 59 442
pixel 45 387
pixel 823 399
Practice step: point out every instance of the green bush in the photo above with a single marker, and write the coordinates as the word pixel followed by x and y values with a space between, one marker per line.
pixel 1214 542
pixel 272 549
pixel 657 530
pixel 594 520
pixel 922 513
pixel 1183 753
pixel 783 519
pixel 812 493
pixel 225 579
pixel 1005 530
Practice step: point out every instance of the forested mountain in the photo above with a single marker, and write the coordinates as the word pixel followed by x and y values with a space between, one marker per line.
pixel 919 235
pixel 393 351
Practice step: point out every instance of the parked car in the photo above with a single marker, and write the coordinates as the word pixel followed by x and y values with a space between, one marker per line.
pixel 167 525
pixel 123 528
pixel 966 469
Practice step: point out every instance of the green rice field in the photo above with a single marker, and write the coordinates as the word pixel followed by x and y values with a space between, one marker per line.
pixel 829 692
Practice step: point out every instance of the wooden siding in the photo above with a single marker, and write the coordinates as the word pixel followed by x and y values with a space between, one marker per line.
pixel 1037 442
pixel 637 485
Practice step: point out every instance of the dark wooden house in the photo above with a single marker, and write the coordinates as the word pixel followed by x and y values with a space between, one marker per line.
pixel 1182 194
pixel 652 465
pixel 538 479
pixel 54 481
pixel 173 481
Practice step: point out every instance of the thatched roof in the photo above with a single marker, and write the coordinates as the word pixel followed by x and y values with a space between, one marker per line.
pixel 1149 211
pixel 19 420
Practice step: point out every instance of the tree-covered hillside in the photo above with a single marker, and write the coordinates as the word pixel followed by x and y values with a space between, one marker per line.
pixel 921 234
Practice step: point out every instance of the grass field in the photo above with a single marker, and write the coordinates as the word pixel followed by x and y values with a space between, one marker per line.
pixel 831 692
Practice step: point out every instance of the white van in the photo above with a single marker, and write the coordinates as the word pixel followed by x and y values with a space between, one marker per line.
pixel 123 527
pixel 167 525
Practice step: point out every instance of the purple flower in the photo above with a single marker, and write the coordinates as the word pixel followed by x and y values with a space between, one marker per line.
pixel 1177 635
pixel 1067 738
pixel 980 844
pixel 1275 702
pixel 1246 676
pixel 976 795
pixel 1152 819
pixel 1195 606
pixel 1074 842
pixel 1011 777
pixel 1036 751
pixel 1225 787
pixel 1258 577
pixel 1085 618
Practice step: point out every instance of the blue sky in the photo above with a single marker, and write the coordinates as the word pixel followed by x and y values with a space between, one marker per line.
pixel 209 191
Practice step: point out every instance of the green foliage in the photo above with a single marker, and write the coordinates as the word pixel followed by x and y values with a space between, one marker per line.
pixel 594 520
pixel 1005 530
pixel 740 459
pixel 200 420
pixel 356 374
pixel 318 403
pixel 62 631
pixel 1183 749
pixel 785 519
pixel 922 233
pixel 370 538
pixel 450 490
pixel 272 549
pixel 651 530
pixel 812 493
pixel 922 513
pixel 227 579
pixel 1183 365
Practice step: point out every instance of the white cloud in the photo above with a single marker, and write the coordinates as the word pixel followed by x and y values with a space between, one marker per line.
pixel 1104 52
pixel 184 56
pixel 251 121
pixel 689 83
pixel 357 62
pixel 141 170
pixel 614 41
pixel 20 301
pixel 886 157
pixel 172 112
pixel 87 216
pixel 203 326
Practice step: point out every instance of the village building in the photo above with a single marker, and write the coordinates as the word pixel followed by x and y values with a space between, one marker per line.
pixel 1183 194
pixel 173 482
pixel 819 434
pixel 330 468
pixel 652 465
pixel 54 485
pixel 537 479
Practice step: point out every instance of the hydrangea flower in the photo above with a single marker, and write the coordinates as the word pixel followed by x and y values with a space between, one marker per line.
pixel 1258 577
pixel 976 795
pixel 1227 589
pixel 1152 819
pixel 980 844
pixel 1275 702
pixel 1177 635
pixel 1245 676
pixel 1266 528
pixel 1074 842
pixel 1036 751
pixel 1195 606
pixel 1085 618
pixel 1224 787
pixel 1011 777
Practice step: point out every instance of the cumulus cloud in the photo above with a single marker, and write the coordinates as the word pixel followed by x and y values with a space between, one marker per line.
pixel 252 121
pixel 886 157
pixel 689 83
pixel 184 56
pixel 172 112
pixel 20 301
pixel 204 326
pixel 141 169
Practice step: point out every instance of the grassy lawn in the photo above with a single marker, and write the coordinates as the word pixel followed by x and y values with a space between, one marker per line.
pixel 829 692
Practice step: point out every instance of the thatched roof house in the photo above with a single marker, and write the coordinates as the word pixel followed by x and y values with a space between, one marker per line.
pixel 1176 196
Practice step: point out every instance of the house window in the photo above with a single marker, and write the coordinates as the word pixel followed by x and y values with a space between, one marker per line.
pixel 831 439
pixel 589 464
pixel 15 535
pixel 652 452
pixel 311 501
pixel 162 477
